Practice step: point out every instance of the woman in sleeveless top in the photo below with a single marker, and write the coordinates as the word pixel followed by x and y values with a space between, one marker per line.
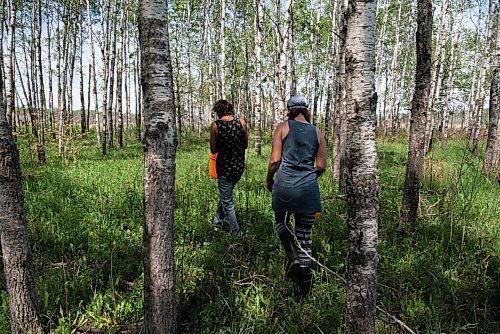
pixel 229 139
pixel 298 158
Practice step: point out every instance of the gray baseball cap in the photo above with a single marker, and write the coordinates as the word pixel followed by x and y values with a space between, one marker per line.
pixel 297 102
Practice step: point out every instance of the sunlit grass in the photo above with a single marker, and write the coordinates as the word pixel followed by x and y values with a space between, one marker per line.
pixel 85 219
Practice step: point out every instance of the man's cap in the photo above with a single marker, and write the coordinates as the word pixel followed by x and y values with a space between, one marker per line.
pixel 297 102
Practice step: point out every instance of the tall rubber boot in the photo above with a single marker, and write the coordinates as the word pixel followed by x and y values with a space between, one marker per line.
pixel 305 281
pixel 292 268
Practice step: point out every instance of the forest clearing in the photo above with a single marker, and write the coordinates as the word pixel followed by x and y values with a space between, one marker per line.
pixel 85 218
pixel 372 125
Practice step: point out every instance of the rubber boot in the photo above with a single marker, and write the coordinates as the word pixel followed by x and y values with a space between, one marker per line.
pixel 292 268
pixel 305 281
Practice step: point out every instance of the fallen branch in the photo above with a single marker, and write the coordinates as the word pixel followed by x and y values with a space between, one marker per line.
pixel 396 320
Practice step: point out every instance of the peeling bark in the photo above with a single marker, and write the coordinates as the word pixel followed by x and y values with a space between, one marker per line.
pixel 362 177
pixel 159 168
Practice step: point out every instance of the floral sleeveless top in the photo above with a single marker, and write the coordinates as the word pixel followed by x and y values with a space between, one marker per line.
pixel 230 144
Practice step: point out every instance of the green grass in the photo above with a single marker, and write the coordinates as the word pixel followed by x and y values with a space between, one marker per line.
pixel 85 219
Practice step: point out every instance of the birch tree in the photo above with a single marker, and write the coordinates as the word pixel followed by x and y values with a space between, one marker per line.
pixel 110 125
pixel 258 19
pixel 339 122
pixel 454 51
pixel 389 124
pixel 418 117
pixel 16 252
pixel 9 68
pixel 492 155
pixel 477 115
pixel 436 76
pixel 222 71
pixel 361 167
pixel 159 168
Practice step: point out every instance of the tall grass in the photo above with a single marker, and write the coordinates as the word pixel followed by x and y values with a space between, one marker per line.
pixel 85 219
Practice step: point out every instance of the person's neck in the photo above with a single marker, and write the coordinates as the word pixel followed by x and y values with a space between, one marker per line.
pixel 300 118
pixel 227 118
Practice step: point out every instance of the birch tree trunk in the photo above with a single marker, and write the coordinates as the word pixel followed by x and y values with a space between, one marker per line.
pixel 105 48
pixel 282 62
pixel 69 86
pixel 110 129
pixel 83 116
pixel 223 49
pixel 455 46
pixel 49 60
pixel 94 76
pixel 293 74
pixel 330 98
pixel 41 83
pixel 436 77
pixel 159 169
pixel 208 32
pixel 339 122
pixel 9 68
pixel 137 87
pixel 2 35
pixel 418 117
pixel 479 101
pixel 388 129
pixel 492 155
pixel 16 252
pixel 361 167
pixel 259 17
pixel 119 79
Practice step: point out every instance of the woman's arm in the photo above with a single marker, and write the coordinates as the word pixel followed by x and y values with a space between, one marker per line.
pixel 213 138
pixel 275 158
pixel 321 155
pixel 245 127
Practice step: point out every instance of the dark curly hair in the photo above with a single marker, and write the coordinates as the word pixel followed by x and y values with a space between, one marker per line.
pixel 223 108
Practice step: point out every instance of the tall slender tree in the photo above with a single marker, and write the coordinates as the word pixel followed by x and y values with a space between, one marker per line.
pixel 418 117
pixel 339 122
pixel 16 252
pixel 361 167
pixel 9 68
pixel 477 115
pixel 222 71
pixel 436 76
pixel 259 17
pixel 159 168
pixel 492 155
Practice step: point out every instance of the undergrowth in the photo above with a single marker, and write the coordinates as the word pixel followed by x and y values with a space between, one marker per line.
pixel 85 220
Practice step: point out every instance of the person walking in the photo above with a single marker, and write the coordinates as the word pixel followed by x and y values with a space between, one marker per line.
pixel 298 158
pixel 228 139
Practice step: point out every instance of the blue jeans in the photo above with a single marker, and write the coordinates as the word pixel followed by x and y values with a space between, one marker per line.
pixel 225 209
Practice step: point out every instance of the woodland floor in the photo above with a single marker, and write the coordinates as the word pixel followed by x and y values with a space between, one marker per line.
pixel 85 220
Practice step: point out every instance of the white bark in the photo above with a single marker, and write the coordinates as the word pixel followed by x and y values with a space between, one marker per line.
pixel 9 68
pixel 259 18
pixel 362 168
pixel 437 74
pixel 159 169
pixel 223 49
pixel 394 74
pixel 480 91
pixel 492 154
pixel 455 46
